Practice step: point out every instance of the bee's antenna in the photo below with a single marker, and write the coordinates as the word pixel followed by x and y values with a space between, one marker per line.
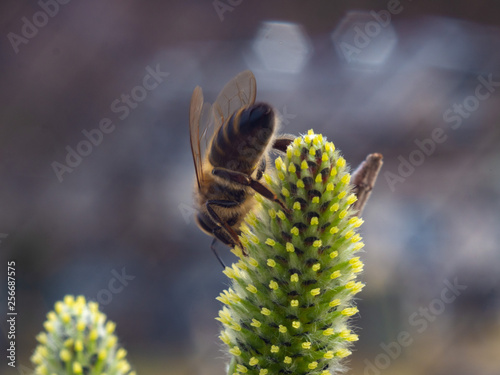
pixel 214 250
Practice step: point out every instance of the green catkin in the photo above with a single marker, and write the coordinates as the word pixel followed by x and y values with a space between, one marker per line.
pixel 78 340
pixel 291 298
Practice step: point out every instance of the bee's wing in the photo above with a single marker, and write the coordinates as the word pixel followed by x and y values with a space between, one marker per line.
pixel 195 113
pixel 238 92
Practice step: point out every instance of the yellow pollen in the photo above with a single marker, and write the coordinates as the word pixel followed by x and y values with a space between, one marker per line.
pixel 356 238
pixel 329 146
pixel 270 242
pixel 281 215
pixel 77 368
pixel 275 349
pixel 255 323
pixel 273 285
pixel 241 368
pixel 285 192
pixel 350 284
pixel 314 220
pixel 328 332
pixel 296 206
pixel 59 307
pixel 335 275
pixel 341 162
pixel 334 207
pixel 342 194
pixel 296 325
pixel 252 289
pixel 346 179
pixel 358 246
pixel 304 165
pixel 334 303
pixel 316 291
pixel 253 361
pixel 312 365
pixel 317 243
pixel 316 267
pixel 306 345
pixel 271 263
pixel 65 355
pixel 287 360
pixel 342 353
pixel 294 278
pixel 300 184
pixel 279 163
pixel 289 247
pixel 294 303
pixel 312 151
pixel 282 329
pixel 224 338
pixel 253 262
pixel 350 311
pixel 265 311
pixel 351 199
pixel 291 168
pixel 235 351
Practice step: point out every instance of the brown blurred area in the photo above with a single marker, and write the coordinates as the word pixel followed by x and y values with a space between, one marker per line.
pixel 422 88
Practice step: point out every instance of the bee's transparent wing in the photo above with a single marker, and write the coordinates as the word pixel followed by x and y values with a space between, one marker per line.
pixel 195 114
pixel 238 92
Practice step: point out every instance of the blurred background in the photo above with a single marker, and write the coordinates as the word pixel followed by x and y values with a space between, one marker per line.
pixel 96 173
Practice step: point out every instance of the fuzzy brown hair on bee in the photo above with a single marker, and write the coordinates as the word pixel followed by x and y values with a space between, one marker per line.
pixel 236 155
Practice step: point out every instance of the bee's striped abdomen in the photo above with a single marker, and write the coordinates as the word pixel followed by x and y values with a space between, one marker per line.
pixel 240 142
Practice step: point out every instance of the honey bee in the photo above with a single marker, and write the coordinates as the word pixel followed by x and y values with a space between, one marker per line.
pixel 236 155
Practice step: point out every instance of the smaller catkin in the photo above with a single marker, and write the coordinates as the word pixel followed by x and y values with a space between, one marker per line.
pixel 288 308
pixel 78 340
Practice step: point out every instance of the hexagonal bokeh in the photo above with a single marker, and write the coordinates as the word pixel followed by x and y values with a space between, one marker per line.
pixel 365 37
pixel 282 46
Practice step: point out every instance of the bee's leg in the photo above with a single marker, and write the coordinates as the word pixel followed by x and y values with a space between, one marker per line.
pixel 364 178
pixel 222 224
pixel 281 143
pixel 243 179
pixel 214 250
pixel 261 169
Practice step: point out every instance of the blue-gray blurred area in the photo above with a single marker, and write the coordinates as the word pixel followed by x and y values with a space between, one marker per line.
pixel 96 173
